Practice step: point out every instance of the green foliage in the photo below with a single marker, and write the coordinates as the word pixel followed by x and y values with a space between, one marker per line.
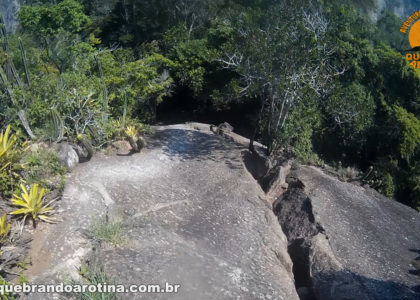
pixel 327 80
pixel 140 85
pixel 6 296
pixel 9 181
pixel 42 164
pixel 32 204
pixel 94 274
pixel 4 229
pixel 349 112
pixel 48 20
pixel 116 128
pixel 192 57
pixel 23 279
pixel 10 154
pixel 389 31
pixel 410 135
pixel 296 137
pixel 388 187
pixel 131 131
pixel 7 150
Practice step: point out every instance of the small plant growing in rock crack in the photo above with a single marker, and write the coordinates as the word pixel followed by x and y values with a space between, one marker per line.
pixel 32 204
pixel 107 231
pixel 94 275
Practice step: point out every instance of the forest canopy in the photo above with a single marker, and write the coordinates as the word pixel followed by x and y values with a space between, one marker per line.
pixel 321 81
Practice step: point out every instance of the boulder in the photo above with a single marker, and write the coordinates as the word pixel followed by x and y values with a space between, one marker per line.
pixel 347 241
pixel 224 129
pixel 274 181
pixel 121 146
pixel 68 156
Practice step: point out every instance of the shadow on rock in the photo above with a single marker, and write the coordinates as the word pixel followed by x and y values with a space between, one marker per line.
pixel 194 145
pixel 348 285
pixel 415 263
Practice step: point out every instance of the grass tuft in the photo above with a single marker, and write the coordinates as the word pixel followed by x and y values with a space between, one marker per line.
pixel 107 231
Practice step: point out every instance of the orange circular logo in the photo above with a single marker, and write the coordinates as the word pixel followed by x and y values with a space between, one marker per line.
pixel 414 35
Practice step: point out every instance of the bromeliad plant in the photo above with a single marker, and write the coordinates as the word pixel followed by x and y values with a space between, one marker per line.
pixel 4 229
pixel 131 131
pixel 7 141
pixel 32 204
pixel 136 142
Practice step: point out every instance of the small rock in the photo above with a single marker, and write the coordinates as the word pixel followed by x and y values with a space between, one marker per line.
pixel 68 156
pixel 122 146
pixel 226 127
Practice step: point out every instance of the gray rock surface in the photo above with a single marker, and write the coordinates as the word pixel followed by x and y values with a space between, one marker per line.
pixel 348 242
pixel 68 156
pixel 402 8
pixel 192 216
pixel 9 10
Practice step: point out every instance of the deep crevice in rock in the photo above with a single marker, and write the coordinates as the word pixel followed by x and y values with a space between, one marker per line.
pixel 299 253
pixel 300 257
pixel 295 204
pixel 298 206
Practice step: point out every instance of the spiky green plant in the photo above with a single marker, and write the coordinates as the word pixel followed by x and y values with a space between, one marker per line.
pixel 4 229
pixel 7 141
pixel 131 131
pixel 32 204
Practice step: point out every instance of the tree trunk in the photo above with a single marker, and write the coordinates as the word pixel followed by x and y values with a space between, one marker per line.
pixel 254 134
pixel 124 111
pixel 105 90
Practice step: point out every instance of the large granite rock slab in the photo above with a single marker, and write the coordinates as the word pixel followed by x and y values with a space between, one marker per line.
pixel 192 214
pixel 346 241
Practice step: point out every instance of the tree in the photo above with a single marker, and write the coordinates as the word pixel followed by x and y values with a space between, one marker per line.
pixel 47 20
pixel 282 59
pixel 136 84
pixel 56 28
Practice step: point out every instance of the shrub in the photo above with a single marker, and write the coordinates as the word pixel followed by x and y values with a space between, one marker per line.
pixel 9 155
pixel 42 164
pixel 6 295
pixel 388 186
